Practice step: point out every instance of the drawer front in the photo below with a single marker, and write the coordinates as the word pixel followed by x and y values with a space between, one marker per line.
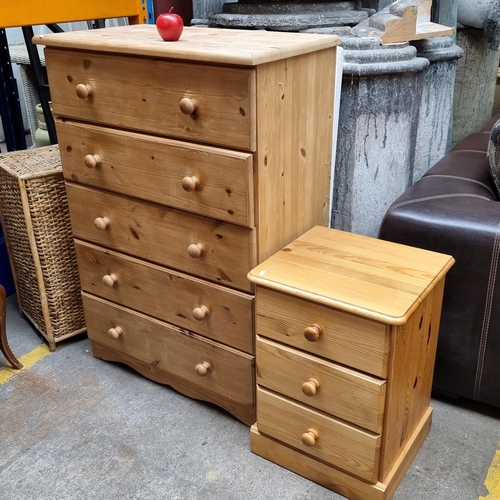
pixel 200 179
pixel 156 96
pixel 208 248
pixel 344 338
pixel 153 343
pixel 332 388
pixel 196 305
pixel 333 441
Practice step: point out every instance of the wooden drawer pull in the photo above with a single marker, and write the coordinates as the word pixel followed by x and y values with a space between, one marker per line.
pixel 310 388
pixel 309 438
pixel 190 183
pixel 200 313
pixel 196 250
pixel 188 105
pixel 92 161
pixel 114 333
pixel 203 368
pixel 313 333
pixel 83 90
pixel 109 279
pixel 101 223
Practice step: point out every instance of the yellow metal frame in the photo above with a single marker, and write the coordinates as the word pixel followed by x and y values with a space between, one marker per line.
pixel 15 13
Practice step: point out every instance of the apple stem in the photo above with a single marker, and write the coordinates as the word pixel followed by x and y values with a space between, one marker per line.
pixel 171 9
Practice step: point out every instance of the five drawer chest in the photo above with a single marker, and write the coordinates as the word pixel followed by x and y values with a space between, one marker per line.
pixel 186 165
pixel 347 329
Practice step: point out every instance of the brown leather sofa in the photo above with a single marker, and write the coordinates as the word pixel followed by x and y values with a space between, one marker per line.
pixel 454 209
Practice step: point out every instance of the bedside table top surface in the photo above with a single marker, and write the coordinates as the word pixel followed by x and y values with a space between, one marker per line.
pixel 201 44
pixel 377 279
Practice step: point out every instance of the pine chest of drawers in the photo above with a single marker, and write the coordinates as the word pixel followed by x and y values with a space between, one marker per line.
pixel 186 164
pixel 347 329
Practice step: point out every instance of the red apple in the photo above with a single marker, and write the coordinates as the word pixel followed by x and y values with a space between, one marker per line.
pixel 169 26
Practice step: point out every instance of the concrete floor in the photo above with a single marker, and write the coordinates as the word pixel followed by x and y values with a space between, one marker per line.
pixel 75 427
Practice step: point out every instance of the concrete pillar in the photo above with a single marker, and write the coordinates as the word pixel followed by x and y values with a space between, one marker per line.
pixel 203 8
pixel 475 82
pixel 378 116
pixel 433 138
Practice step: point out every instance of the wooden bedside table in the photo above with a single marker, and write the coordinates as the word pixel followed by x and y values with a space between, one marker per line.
pixel 186 164
pixel 347 328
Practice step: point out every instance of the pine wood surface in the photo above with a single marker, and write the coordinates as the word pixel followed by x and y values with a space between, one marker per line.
pixel 376 279
pixel 346 338
pixel 153 168
pixel 333 478
pixel 133 93
pixel 409 384
pixel 215 46
pixel 169 355
pixel 294 134
pixel 344 393
pixel 339 444
pixel 168 295
pixel 162 235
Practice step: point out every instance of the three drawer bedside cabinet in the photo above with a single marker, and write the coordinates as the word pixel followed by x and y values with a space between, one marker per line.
pixel 347 329
pixel 186 164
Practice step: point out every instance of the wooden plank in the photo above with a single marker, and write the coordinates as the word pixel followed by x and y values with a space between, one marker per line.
pixel 335 479
pixel 169 296
pixel 213 45
pixel 410 378
pixel 145 94
pixel 373 278
pixel 170 355
pixel 345 338
pixel 294 153
pixel 154 169
pixel 29 12
pixel 340 391
pixel 164 235
pixel 337 443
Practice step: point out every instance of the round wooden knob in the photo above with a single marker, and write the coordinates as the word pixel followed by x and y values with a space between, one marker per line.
pixel 203 368
pixel 188 105
pixel 190 183
pixel 309 438
pixel 313 333
pixel 92 161
pixel 196 250
pixel 200 313
pixel 310 388
pixel 114 333
pixel 109 279
pixel 101 223
pixel 83 90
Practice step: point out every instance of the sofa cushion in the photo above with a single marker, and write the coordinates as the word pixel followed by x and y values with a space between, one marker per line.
pixel 494 155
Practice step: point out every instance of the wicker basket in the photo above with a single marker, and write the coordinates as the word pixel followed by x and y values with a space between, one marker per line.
pixel 35 216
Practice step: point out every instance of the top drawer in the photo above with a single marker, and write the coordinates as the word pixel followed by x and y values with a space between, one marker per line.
pixel 322 331
pixel 197 102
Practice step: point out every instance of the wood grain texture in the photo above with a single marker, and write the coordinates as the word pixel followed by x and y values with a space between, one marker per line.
pixel 410 378
pixel 345 338
pixel 162 235
pixel 167 295
pixel 342 392
pixel 373 278
pixel 169 355
pixel 131 92
pixel 339 444
pixel 152 168
pixel 294 134
pixel 215 46
pixel 333 478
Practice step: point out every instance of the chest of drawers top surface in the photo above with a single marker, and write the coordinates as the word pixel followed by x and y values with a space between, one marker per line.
pixel 212 45
pixel 365 276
